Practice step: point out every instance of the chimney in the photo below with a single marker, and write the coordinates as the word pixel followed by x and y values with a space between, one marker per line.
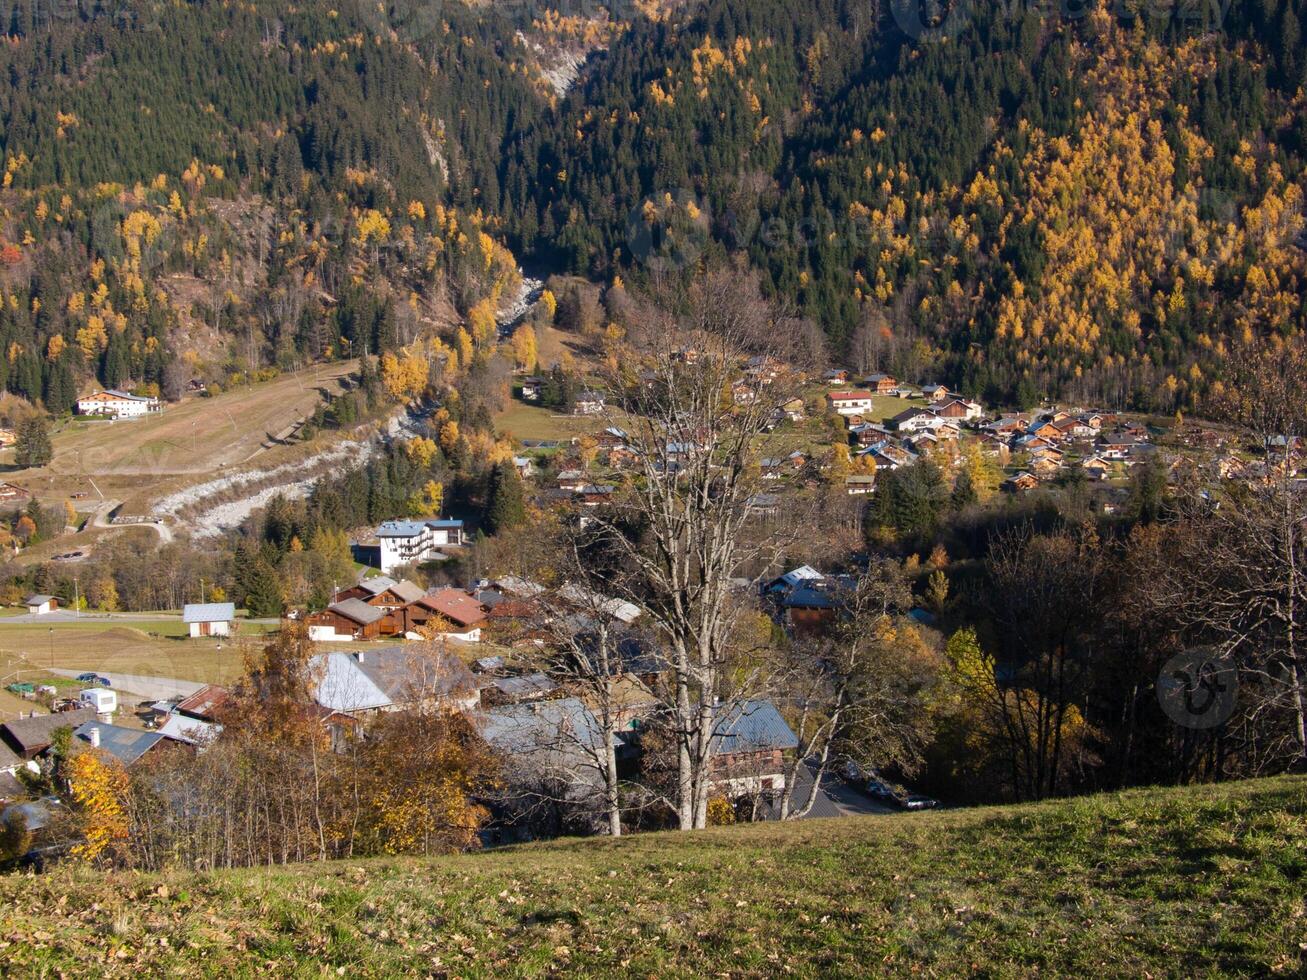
pixel 360 656
pixel 95 738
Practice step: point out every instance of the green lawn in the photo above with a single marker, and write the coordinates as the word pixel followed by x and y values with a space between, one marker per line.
pixel 531 422
pixel 1192 882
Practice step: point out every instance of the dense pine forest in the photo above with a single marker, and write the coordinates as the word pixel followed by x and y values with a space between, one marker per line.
pixel 1094 203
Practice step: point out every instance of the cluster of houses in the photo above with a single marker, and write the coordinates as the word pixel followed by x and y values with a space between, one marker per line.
pixel 1049 443
pixel 381 607
pixel 543 723
pixel 1042 444
pixel 904 438
pixel 190 721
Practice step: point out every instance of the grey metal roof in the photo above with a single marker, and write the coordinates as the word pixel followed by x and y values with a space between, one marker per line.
pixel 35 814
pixel 387 675
pixel 524 728
pixel 124 744
pixel 404 672
pixel 810 597
pixel 36 600
pixel 407 591
pixel 208 612
pixel 190 731
pixel 551 741
pixel 750 726
pixel 378 584
pixel 401 529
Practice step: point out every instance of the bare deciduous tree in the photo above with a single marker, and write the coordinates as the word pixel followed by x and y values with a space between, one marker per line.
pixel 698 385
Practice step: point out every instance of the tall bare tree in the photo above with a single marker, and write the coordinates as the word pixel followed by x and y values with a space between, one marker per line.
pixel 1044 594
pixel 696 387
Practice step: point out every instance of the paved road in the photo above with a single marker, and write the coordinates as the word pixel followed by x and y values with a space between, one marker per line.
pixel 108 619
pixel 70 616
pixel 836 798
pixel 142 685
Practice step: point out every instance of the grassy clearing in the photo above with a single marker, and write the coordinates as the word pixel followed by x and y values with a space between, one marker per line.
pixel 885 407
pixel 1189 882
pixel 199 435
pixel 531 422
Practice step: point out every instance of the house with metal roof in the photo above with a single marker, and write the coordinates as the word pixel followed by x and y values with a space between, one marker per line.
pixel 794 578
pixel 29 737
pixel 748 746
pixel 518 688
pixel 39 605
pixel 190 731
pixel 550 752
pixel 391 678
pixel 205 704
pixel 209 618
pixel 352 619
pixel 382 591
pixel 127 745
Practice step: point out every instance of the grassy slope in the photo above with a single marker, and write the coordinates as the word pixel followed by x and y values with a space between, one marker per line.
pixel 1186 882
pixel 155 648
pixel 185 443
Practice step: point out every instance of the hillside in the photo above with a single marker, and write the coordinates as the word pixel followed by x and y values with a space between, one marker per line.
pixel 1090 206
pixel 1195 881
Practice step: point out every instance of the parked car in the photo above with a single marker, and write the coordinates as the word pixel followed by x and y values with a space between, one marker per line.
pixel 918 803
pixel 851 772
pixel 881 789
pixel 89 676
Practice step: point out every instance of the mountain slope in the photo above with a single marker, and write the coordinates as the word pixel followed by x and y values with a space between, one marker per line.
pixel 1091 207
pixel 1202 880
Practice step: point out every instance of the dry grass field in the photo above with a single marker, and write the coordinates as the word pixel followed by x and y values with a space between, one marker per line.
pixel 144 458
pixel 147 647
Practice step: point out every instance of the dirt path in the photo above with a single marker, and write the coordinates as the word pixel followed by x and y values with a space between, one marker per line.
pixel 102 520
